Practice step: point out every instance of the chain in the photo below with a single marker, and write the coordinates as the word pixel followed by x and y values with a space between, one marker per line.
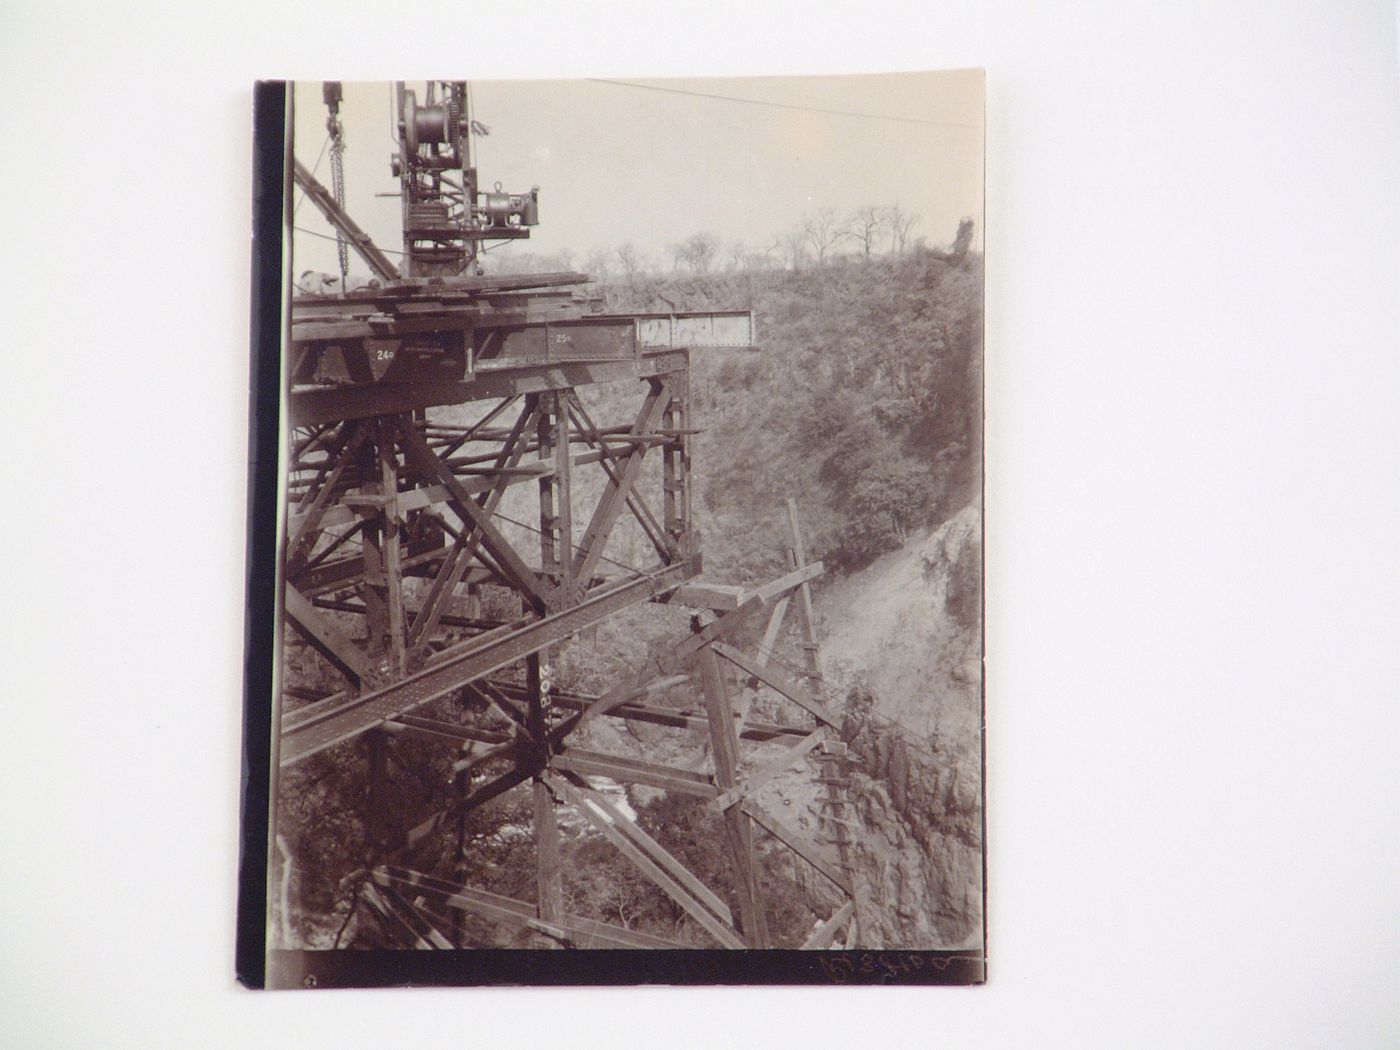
pixel 337 132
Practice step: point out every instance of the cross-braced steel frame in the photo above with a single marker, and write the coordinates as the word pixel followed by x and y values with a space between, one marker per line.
pixel 395 530
pixel 402 520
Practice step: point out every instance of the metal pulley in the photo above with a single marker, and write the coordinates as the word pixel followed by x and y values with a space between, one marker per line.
pixel 428 125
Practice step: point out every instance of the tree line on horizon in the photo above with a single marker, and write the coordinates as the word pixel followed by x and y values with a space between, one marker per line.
pixel 823 236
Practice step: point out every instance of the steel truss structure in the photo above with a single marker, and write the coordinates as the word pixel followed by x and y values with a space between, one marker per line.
pixel 420 411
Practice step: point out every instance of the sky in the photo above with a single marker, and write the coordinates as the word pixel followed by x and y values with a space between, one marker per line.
pixel 654 161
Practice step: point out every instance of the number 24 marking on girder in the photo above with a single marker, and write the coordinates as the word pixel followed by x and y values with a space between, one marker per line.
pixel 384 355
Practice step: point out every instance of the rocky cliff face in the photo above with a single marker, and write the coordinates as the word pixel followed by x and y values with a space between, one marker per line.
pixel 902 644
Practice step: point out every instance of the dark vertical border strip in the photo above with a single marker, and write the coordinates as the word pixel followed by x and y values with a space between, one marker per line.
pixel 264 386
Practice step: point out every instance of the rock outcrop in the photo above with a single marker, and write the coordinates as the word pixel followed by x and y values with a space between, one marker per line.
pixel 903 644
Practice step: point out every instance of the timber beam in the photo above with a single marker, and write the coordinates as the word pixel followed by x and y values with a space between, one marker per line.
pixel 825 933
pixel 346 226
pixel 775 679
pixel 674 718
pixel 464 663
pixel 577 931
pixel 672 877
pixel 310 406
pixel 634 771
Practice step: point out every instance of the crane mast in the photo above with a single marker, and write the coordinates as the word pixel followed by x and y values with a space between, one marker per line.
pixel 445 215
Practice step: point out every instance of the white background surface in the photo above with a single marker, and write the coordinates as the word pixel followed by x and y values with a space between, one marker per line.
pixel 1193 517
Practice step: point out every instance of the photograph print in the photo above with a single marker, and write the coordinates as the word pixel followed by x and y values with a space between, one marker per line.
pixel 623 590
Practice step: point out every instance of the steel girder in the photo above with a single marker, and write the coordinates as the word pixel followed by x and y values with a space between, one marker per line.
pixel 394 511
pixel 559 777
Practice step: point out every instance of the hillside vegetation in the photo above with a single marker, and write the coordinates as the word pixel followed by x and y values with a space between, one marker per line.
pixel 863 401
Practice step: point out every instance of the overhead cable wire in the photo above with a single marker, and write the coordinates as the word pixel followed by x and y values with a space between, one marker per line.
pixel 328 237
pixel 889 723
pixel 787 105
pixel 315 168
pixel 572 546
pixel 391 251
